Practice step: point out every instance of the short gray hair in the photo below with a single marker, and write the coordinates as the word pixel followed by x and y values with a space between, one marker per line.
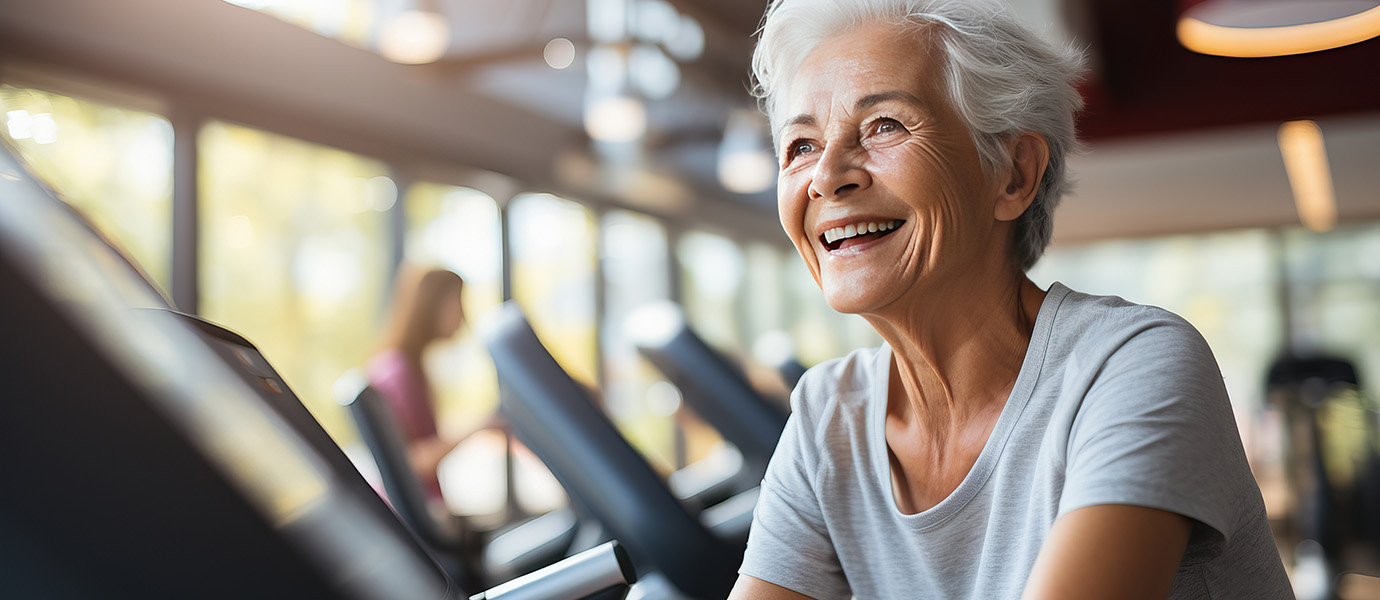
pixel 1002 79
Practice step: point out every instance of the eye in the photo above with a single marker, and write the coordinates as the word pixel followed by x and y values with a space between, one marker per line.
pixel 885 126
pixel 797 148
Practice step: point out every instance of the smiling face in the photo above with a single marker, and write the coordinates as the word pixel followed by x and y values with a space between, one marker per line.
pixel 881 187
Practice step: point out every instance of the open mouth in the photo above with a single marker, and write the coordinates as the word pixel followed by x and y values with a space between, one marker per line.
pixel 850 235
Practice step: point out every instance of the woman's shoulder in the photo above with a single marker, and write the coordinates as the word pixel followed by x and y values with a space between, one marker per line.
pixel 393 373
pixel 1099 306
pixel 386 364
pixel 1112 322
pixel 1110 339
pixel 854 371
pixel 842 380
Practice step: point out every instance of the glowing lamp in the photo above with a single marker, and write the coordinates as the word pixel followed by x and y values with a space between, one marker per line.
pixel 1261 28
pixel 415 37
pixel 1305 161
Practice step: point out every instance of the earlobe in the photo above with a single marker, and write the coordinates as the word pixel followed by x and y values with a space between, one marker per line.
pixel 1029 156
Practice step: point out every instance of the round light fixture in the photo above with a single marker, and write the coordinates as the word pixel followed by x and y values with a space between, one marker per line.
pixel 615 119
pixel 1262 28
pixel 559 53
pixel 746 163
pixel 747 171
pixel 415 38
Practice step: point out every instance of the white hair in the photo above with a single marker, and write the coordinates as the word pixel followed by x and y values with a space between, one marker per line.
pixel 1002 80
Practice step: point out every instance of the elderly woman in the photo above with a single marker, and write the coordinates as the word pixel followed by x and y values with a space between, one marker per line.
pixel 1005 441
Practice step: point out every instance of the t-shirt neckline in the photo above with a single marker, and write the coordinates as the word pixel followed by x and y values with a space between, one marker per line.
pixel 976 478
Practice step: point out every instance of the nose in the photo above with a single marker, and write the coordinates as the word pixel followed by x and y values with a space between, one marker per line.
pixel 838 172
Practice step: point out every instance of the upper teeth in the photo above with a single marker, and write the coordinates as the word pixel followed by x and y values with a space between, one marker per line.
pixel 848 231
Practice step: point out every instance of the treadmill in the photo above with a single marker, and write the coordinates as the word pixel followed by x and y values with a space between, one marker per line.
pixel 144 460
pixel 715 388
pixel 686 550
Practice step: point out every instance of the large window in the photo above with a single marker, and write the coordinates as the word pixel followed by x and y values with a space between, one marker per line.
pixel 554 254
pixel 1334 282
pixel 712 269
pixel 113 164
pixel 350 21
pixel 458 229
pixel 765 310
pixel 637 397
pixel 294 255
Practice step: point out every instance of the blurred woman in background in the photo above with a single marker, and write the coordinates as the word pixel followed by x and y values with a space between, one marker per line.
pixel 426 309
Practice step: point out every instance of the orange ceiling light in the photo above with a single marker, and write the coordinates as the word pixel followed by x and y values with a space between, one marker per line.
pixel 1305 161
pixel 1262 28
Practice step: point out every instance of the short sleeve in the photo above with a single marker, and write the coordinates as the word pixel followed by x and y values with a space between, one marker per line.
pixel 1155 429
pixel 404 392
pixel 789 544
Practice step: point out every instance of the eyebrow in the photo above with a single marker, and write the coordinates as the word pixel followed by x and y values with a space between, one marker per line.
pixel 798 120
pixel 872 100
pixel 862 104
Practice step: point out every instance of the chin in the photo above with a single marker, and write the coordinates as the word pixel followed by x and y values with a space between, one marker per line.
pixel 847 299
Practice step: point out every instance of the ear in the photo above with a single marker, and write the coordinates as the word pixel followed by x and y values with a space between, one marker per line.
pixel 1029 156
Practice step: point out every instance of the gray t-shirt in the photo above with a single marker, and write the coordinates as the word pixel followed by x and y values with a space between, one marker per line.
pixel 1115 403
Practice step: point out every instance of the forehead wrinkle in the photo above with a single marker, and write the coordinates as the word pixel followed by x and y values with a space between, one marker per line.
pixel 872 100
pixel 862 104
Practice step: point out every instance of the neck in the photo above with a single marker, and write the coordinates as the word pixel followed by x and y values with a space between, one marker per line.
pixel 413 349
pixel 956 352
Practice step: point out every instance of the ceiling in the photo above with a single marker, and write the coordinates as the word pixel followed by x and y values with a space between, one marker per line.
pixel 1176 141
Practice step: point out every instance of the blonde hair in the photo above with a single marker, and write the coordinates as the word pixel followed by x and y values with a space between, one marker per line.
pixel 417 297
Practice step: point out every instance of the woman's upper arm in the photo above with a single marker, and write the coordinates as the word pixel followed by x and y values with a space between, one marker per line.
pixel 1109 551
pixel 790 542
pixel 1156 429
pixel 752 588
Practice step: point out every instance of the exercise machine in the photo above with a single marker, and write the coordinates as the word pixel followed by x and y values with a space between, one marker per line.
pixel 696 550
pixel 142 462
